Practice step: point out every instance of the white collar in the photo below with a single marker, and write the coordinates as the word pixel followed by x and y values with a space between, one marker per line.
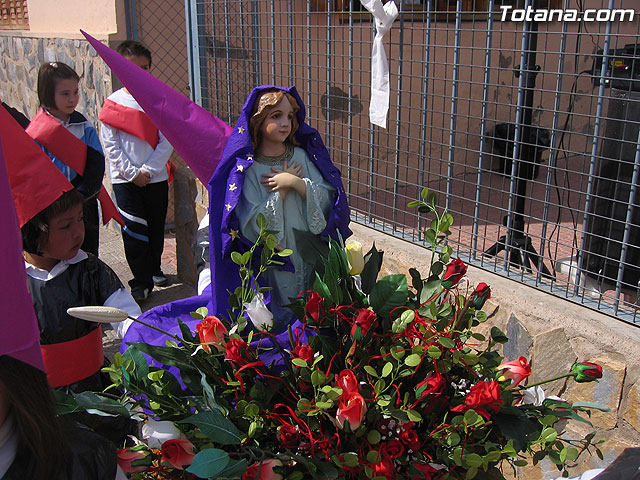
pixel 60 267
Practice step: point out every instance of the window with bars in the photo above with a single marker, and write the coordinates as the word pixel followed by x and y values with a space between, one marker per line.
pixel 14 14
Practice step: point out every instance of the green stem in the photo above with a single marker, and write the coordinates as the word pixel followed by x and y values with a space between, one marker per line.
pixel 175 337
pixel 524 387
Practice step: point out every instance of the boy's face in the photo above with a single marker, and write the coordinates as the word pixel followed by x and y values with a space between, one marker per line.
pixel 66 234
pixel 66 97
pixel 278 124
pixel 139 60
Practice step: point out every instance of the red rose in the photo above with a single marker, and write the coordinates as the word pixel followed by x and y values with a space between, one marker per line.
pixel 432 384
pixel 211 330
pixel 305 352
pixel 266 470
pixel 516 371
pixel 364 319
pixel 481 294
pixel 348 382
pixel 426 471
pixel 385 469
pixel 314 306
pixel 586 372
pixel 392 449
pixel 456 269
pixel 289 436
pixel 353 408
pixel 484 397
pixel 236 351
pixel 126 457
pixel 436 404
pixel 409 437
pixel 178 452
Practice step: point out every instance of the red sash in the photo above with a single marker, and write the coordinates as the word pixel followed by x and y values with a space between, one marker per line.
pixel 64 145
pixel 131 121
pixel 75 360
pixel 134 122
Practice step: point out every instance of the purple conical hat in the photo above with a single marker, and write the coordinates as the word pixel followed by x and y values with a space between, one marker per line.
pixel 196 134
pixel 19 334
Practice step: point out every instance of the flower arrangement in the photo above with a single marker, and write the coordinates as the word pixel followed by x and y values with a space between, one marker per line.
pixel 379 379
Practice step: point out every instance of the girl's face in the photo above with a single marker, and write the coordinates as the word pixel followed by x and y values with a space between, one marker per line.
pixel 66 234
pixel 66 98
pixel 277 126
pixel 140 60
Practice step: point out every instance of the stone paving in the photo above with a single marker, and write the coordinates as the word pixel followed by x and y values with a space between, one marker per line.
pixel 112 253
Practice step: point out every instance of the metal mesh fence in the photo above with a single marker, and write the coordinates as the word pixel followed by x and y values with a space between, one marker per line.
pixel 526 131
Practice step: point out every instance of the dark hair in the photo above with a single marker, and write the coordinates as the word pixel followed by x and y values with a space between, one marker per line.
pixel 30 401
pixel 36 231
pixel 48 76
pixel 131 48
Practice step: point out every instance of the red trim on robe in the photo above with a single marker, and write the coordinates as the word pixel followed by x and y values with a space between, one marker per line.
pixel 75 360
pixel 134 122
pixel 130 120
pixel 64 145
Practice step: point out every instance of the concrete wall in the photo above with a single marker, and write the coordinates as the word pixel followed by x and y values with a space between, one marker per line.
pixel 552 334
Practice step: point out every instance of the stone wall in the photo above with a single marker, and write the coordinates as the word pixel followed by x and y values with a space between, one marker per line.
pixel 552 334
pixel 21 57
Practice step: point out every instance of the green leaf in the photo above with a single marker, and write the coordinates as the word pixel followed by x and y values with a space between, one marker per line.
pixel 65 403
pixel 429 289
pixel 388 293
pixel 446 342
pixel 216 427
pixel 549 434
pixel 414 416
pixel 200 313
pixel 141 367
pixel 317 378
pixel 285 252
pixel 236 257
pixel 434 352
pixel 209 463
pixel 299 362
pixel 372 265
pixel 187 334
pixel 472 459
pixel 373 437
pixel 413 360
pixel 593 405
pixel 100 405
pixel 371 371
pixel 498 335
pixel 322 289
pixel 173 357
pixel 234 469
pixel 387 369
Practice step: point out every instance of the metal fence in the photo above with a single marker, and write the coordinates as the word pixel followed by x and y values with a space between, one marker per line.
pixel 526 130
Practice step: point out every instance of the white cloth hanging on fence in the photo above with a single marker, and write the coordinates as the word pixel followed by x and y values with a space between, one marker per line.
pixel 384 17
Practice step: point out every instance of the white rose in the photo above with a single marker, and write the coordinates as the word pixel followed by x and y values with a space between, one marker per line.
pixel 155 433
pixel 259 314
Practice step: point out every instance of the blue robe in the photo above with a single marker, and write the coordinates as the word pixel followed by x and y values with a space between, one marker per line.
pixel 225 194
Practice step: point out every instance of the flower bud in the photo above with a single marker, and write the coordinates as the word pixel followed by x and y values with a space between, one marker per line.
pixel 355 257
pixel 456 269
pixel 259 314
pixel 586 372
pixel 481 294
